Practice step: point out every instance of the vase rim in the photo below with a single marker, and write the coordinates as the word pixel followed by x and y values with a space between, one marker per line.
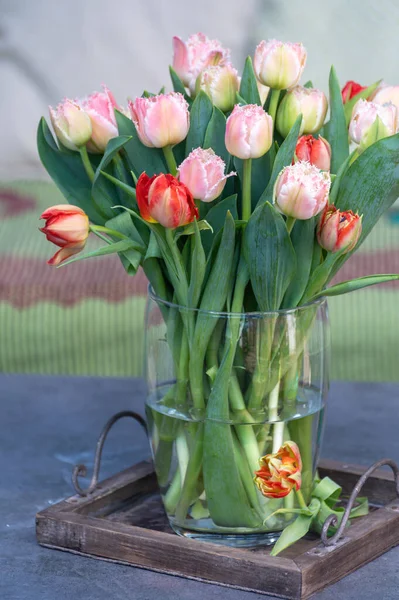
pixel 322 301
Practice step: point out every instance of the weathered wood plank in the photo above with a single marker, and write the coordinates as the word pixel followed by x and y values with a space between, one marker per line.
pixel 171 554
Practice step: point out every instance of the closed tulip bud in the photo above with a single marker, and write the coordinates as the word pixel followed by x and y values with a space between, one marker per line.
pixel 338 231
pixel 249 131
pixel 351 89
pixel 315 151
pixel 221 84
pixel 71 124
pixel 386 94
pixel 309 102
pixel 193 56
pixel 100 108
pixel 372 122
pixel 66 226
pixel 281 472
pixel 161 120
pixel 165 200
pixel 279 65
pixel 202 172
pixel 301 190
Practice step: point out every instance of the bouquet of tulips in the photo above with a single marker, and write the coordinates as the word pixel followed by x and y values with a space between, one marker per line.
pixel 236 196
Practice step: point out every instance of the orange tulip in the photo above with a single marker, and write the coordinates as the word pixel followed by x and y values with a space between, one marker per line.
pixel 280 472
pixel 66 226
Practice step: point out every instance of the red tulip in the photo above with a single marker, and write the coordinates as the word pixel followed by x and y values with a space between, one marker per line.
pixel 338 231
pixel 315 151
pixel 350 89
pixel 163 199
pixel 66 226
pixel 280 472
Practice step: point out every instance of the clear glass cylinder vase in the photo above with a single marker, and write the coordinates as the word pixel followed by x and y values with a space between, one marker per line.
pixel 225 389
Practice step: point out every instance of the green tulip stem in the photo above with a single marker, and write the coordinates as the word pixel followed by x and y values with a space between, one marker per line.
pixel 86 163
pixel 97 229
pixel 170 160
pixel 301 500
pixel 246 189
pixel 274 98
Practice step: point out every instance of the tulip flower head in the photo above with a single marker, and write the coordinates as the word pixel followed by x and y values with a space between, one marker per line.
pixel 280 473
pixel 66 226
pixel 161 120
pixel 386 94
pixel 301 190
pixel 165 200
pixel 221 84
pixel 315 151
pixel 338 231
pixel 279 65
pixel 193 56
pixel 351 89
pixel 309 102
pixel 202 172
pixel 249 131
pixel 71 124
pixel 100 106
pixel 372 122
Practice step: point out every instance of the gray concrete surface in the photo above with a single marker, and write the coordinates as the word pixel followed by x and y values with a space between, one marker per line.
pixel 47 424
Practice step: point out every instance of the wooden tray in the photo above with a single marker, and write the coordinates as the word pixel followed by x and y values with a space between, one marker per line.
pixel 124 521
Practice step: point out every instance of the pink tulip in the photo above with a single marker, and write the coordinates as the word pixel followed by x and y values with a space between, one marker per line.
pixel 249 131
pixel 221 84
pixel 301 190
pixel 202 172
pixel 338 231
pixel 310 102
pixel 279 65
pixel 161 120
pixel 165 200
pixel 372 122
pixel 199 52
pixel 66 226
pixel 100 108
pixel 71 124
pixel 315 151
pixel 385 94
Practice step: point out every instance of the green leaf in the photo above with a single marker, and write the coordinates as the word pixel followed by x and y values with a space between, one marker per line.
pixel 240 100
pixel 294 532
pixel 216 218
pixel 103 191
pixel 67 172
pixel 302 238
pixel 283 158
pixel 270 256
pixel 153 250
pixel 215 133
pixel 131 258
pixel 200 115
pixel 335 130
pixel 198 265
pixel 370 186
pixel 348 106
pixel 248 86
pixel 308 84
pixel 114 248
pixel 141 158
pixel 191 228
pixel 355 284
pixel 178 85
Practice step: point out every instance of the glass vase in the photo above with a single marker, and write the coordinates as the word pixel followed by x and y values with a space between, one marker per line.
pixel 225 389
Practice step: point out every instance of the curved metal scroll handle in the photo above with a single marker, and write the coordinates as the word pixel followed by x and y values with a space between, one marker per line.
pixel 332 519
pixel 81 471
